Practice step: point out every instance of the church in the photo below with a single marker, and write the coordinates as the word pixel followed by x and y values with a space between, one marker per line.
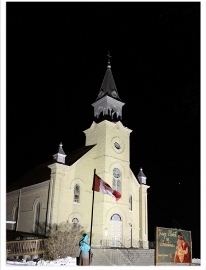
pixel 60 191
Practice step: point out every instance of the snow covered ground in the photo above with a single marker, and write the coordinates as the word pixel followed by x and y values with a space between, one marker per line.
pixel 60 262
pixel 197 261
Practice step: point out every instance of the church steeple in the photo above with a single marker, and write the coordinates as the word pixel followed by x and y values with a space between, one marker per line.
pixel 108 105
pixel 141 177
pixel 60 155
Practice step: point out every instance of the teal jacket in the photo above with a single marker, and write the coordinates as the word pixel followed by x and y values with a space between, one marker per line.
pixel 84 246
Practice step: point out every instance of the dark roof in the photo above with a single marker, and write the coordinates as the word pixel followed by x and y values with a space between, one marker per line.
pixel 141 174
pixel 42 173
pixel 108 86
pixel 18 235
pixel 77 154
pixel 37 175
pixel 61 151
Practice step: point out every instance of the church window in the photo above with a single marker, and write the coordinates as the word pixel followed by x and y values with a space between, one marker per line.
pixel 15 216
pixel 116 217
pixel 116 183
pixel 75 222
pixel 77 193
pixel 130 202
pixel 37 218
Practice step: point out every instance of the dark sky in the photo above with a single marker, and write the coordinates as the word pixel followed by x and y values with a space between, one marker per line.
pixel 56 61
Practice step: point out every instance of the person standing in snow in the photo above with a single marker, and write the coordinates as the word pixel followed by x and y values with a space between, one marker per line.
pixel 84 251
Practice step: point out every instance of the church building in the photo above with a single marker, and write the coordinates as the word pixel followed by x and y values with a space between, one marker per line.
pixel 61 191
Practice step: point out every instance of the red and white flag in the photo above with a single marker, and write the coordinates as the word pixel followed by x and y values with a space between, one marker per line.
pixel 101 186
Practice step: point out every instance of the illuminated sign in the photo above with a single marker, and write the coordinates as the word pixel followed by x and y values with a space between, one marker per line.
pixel 173 246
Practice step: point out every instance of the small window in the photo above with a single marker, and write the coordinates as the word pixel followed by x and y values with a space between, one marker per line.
pixel 130 202
pixel 116 217
pixel 116 183
pixel 15 217
pixel 37 218
pixel 77 194
pixel 75 222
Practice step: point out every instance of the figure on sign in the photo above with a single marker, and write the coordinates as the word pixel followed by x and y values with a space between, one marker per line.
pixel 182 253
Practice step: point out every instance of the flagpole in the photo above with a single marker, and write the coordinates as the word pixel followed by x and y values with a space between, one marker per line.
pixel 92 213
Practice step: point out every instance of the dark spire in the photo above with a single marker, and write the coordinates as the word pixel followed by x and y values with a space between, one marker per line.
pixel 108 87
pixel 108 105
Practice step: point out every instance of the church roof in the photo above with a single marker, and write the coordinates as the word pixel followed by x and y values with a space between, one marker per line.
pixel 61 151
pixel 108 86
pixel 41 173
pixel 12 235
pixel 141 174
pixel 77 154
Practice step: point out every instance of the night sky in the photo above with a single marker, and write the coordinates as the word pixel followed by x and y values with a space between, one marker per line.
pixel 56 61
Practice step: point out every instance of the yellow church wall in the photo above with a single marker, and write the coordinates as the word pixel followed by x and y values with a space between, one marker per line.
pixel 64 208
pixel 12 199
pixel 28 197
pixel 85 171
pixel 104 135
pixel 117 133
pixel 143 215
pixel 11 203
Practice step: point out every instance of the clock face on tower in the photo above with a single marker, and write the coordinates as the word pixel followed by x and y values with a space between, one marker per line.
pixel 117 145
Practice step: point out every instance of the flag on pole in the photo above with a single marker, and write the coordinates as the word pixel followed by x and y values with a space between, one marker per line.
pixel 100 185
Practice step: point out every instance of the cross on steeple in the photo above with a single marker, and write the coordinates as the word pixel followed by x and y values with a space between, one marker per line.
pixel 109 56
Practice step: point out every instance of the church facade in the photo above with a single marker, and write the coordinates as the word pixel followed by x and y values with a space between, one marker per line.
pixel 61 191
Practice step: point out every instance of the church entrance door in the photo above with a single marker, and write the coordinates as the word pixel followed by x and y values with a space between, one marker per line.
pixel 115 231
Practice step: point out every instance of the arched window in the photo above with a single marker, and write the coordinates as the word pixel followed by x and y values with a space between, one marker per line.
pixel 130 202
pixel 37 218
pixel 116 183
pixel 77 194
pixel 116 217
pixel 75 222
